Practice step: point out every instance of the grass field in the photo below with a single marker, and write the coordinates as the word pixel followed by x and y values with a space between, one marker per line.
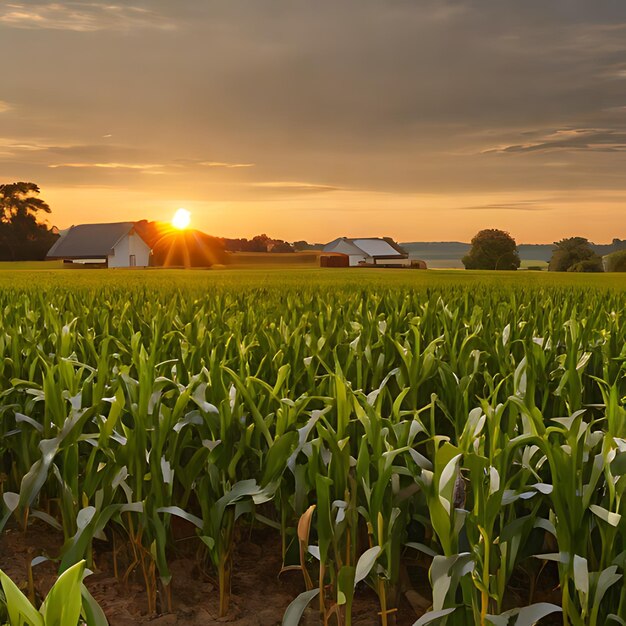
pixel 30 265
pixel 39 275
pixel 401 442
pixel 277 260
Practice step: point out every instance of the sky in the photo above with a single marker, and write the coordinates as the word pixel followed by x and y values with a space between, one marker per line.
pixel 423 120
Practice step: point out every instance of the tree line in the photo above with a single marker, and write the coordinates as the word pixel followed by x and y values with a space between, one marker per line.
pixel 259 243
pixel 493 249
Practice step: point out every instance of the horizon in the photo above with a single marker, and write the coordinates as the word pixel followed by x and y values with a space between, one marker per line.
pixel 421 121
pixel 312 242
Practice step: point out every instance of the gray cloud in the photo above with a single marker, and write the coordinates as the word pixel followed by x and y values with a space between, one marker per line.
pixel 177 165
pixel 526 205
pixel 293 187
pixel 571 140
pixel 79 16
pixel 111 166
pixel 243 99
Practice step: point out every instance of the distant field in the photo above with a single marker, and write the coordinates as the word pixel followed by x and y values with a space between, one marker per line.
pixel 251 260
pixel 31 265
pixel 435 263
pixel 526 263
pixel 296 259
pixel 309 277
pixel 236 260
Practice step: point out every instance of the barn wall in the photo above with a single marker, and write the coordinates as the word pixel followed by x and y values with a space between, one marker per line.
pixel 130 244
pixel 140 249
pixel 334 260
pixel 355 259
pixel 120 257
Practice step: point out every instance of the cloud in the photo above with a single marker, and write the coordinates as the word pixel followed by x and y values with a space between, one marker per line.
pixel 177 165
pixel 80 17
pixel 4 106
pixel 225 165
pixel 294 187
pixel 110 166
pixel 228 165
pixel 15 146
pixel 570 140
pixel 525 205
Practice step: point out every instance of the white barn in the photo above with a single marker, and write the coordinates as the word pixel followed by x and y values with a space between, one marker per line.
pixel 114 245
pixel 369 251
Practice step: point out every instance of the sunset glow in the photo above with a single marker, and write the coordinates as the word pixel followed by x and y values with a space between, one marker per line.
pixel 508 125
pixel 181 219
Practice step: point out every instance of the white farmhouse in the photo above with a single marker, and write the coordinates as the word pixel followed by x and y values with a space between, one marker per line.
pixel 370 251
pixel 114 245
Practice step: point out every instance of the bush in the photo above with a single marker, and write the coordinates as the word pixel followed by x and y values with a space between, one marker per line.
pixel 616 262
pixel 575 254
pixel 590 265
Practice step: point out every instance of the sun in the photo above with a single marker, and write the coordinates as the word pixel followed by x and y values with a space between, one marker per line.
pixel 181 219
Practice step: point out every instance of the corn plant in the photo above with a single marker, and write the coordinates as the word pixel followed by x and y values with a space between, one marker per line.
pixel 367 418
pixel 68 602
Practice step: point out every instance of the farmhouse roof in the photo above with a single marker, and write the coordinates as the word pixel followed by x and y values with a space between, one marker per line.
pixel 379 247
pixel 90 241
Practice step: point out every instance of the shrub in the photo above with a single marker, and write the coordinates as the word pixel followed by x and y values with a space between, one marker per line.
pixel 616 262
pixel 590 265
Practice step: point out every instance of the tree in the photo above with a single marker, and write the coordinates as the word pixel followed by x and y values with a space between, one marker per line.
pixel 574 254
pixel 281 246
pixel 23 237
pixel 492 249
pixel 590 265
pixel 616 262
pixel 259 243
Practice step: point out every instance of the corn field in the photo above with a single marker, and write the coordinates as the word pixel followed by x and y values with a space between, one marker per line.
pixel 477 429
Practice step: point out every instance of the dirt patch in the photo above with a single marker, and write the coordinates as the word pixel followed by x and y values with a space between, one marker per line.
pixel 259 595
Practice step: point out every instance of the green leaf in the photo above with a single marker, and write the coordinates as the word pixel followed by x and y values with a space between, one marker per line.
pixel 345 586
pixel 611 518
pixel 421 547
pixel 607 578
pixel 91 610
pixel 431 616
pixel 581 574
pixel 296 608
pixel 526 616
pixel 365 563
pixel 63 603
pixel 178 512
pixel 21 611
pixel 618 464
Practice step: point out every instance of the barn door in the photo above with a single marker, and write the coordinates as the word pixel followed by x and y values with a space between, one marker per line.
pixel 133 261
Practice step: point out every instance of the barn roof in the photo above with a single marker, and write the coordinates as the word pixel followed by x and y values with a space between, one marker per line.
pixel 378 247
pixel 89 241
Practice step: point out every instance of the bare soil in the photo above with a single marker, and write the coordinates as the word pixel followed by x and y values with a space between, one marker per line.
pixel 259 595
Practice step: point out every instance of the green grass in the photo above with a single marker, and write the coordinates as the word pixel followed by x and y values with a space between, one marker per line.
pixel 526 263
pixel 30 265
pixel 238 260
pixel 306 277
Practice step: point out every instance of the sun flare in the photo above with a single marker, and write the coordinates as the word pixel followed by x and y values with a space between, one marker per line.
pixel 181 219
